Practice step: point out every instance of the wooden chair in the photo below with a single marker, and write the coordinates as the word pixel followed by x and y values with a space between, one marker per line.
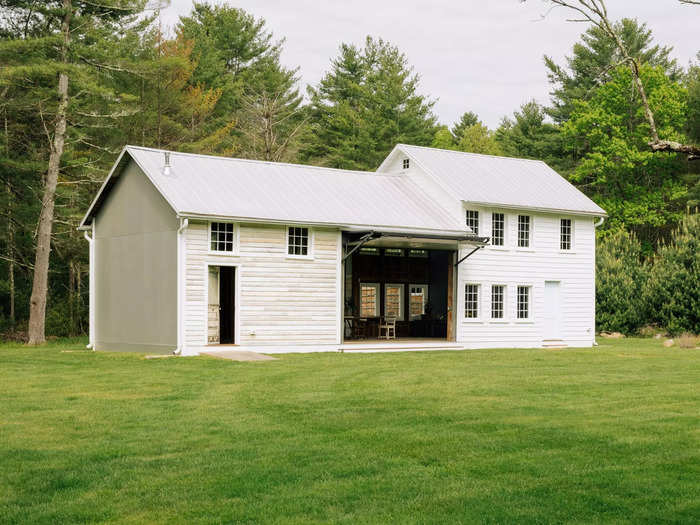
pixel 389 326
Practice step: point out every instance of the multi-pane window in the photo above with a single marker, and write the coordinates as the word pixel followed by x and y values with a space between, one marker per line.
pixel 393 252
pixel 523 302
pixel 498 229
pixel 406 163
pixel 369 300
pixel 221 237
pixel 473 221
pixel 471 301
pixel 418 253
pixel 523 231
pixel 297 241
pixel 369 250
pixel 498 292
pixel 565 235
pixel 417 299
pixel 393 301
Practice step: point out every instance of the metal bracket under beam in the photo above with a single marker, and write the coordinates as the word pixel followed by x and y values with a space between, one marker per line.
pixel 468 255
pixel 361 242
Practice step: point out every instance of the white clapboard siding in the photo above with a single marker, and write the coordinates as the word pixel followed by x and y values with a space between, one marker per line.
pixel 512 266
pixel 282 300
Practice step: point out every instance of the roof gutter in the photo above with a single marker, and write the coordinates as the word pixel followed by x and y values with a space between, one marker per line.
pixel 535 208
pixel 599 222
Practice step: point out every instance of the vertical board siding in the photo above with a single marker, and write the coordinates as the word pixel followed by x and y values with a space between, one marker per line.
pixel 284 301
pixel 513 266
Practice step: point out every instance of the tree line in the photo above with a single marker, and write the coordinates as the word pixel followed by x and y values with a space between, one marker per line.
pixel 81 78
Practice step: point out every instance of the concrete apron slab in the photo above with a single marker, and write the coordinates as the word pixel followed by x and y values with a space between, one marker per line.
pixel 238 355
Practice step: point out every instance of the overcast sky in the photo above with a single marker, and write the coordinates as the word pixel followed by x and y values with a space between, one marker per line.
pixel 483 56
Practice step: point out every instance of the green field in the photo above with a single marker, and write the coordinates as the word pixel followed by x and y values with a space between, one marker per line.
pixel 610 434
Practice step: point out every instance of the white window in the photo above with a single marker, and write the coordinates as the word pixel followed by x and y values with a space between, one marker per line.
pixel 406 164
pixel 523 302
pixel 298 241
pixel 473 221
pixel 417 300
pixel 222 237
pixel 393 301
pixel 369 299
pixel 565 234
pixel 498 229
pixel 498 296
pixel 471 301
pixel 524 231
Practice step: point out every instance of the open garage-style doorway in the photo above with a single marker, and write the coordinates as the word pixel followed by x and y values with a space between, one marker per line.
pixel 221 318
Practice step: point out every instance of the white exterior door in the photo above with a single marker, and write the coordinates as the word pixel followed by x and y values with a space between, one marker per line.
pixel 552 316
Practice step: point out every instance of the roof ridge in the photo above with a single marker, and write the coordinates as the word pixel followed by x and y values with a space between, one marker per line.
pixel 266 162
pixel 469 153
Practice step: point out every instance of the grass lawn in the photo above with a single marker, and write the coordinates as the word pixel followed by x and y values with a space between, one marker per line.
pixel 610 434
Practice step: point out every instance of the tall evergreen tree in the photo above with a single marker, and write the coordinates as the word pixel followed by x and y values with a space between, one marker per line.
pixel 467 120
pixel 57 63
pixel 595 57
pixel 364 105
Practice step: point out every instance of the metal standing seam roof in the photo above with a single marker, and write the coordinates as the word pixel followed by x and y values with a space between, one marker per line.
pixel 209 186
pixel 500 181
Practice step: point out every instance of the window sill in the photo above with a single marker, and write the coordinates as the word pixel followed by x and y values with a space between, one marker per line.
pixel 499 322
pixel 525 250
pixel 524 321
pixel 300 257
pixel 473 321
pixel 567 252
pixel 225 254
pixel 499 248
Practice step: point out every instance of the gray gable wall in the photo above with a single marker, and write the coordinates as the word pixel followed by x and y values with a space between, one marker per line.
pixel 136 267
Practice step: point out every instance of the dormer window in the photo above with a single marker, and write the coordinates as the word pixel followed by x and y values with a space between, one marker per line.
pixel 406 164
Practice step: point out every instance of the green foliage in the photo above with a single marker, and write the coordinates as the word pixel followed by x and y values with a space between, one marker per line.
pixel 620 279
pixel 479 139
pixel 443 139
pixel 366 104
pixel 673 290
pixel 467 120
pixel 593 59
pixel 641 190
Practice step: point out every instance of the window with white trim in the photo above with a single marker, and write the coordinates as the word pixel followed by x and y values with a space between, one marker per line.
pixel 471 301
pixel 523 302
pixel 565 234
pixel 406 163
pixel 473 221
pixel 369 299
pixel 417 299
pixel 222 237
pixel 298 241
pixel 393 252
pixel 498 296
pixel 393 301
pixel 498 229
pixel 524 231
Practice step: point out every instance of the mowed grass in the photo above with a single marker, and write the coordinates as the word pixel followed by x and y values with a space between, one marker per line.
pixel 609 434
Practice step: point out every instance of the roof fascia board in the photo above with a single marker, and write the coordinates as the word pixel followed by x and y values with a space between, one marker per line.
pixel 115 166
pixel 533 208
pixel 116 170
pixel 341 226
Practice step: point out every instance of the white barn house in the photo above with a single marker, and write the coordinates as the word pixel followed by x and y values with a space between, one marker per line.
pixel 454 250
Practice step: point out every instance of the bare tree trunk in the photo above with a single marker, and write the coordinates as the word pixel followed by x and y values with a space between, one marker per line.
pixel 11 251
pixel 37 303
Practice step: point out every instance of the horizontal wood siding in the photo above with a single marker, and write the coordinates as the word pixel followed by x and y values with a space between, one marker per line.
pixel 511 266
pixel 284 301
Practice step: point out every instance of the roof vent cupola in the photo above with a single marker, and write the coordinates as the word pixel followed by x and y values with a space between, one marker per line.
pixel 166 166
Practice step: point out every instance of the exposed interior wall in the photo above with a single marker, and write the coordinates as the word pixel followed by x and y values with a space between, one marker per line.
pixel 513 266
pixel 136 268
pixel 282 301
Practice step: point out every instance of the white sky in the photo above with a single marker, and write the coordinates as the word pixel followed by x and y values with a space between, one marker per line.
pixel 477 55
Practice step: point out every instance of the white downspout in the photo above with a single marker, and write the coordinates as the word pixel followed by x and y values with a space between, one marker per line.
pixel 596 224
pixel 181 262
pixel 91 287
